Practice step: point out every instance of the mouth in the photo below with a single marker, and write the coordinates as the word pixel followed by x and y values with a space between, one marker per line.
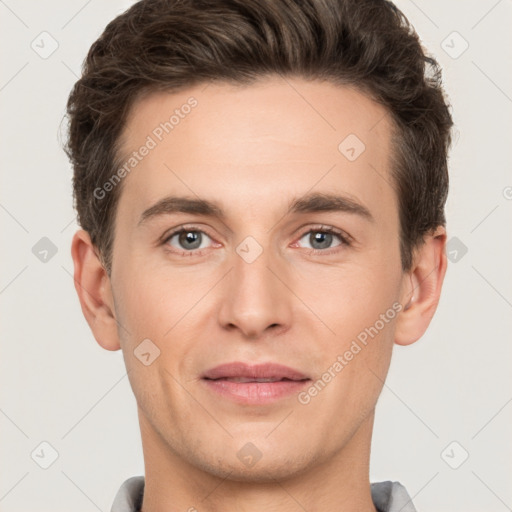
pixel 254 379
pixel 254 384
pixel 265 372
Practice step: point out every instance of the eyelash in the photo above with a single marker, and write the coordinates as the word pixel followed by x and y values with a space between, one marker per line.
pixel 346 240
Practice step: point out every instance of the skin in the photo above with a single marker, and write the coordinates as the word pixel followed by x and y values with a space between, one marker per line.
pixel 288 306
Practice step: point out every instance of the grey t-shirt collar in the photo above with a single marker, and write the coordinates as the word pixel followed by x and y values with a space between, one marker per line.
pixel 387 496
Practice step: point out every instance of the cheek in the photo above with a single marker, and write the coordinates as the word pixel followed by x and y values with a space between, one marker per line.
pixel 165 308
pixel 151 313
pixel 350 298
pixel 361 309
pixel 153 302
pixel 355 362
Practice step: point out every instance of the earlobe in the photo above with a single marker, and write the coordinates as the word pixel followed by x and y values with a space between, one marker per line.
pixel 422 288
pixel 93 287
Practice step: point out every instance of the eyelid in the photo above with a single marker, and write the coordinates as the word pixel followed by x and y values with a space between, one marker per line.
pixel 183 227
pixel 348 239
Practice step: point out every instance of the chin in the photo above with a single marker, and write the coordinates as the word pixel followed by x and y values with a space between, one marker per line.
pixel 267 469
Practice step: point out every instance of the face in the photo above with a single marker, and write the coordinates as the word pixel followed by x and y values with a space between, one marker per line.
pixel 295 262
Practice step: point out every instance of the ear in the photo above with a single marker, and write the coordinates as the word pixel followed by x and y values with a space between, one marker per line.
pixel 422 288
pixel 94 291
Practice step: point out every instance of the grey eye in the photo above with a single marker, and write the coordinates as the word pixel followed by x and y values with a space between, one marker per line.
pixel 320 239
pixel 189 239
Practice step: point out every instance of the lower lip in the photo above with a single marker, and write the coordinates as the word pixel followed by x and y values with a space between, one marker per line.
pixel 256 392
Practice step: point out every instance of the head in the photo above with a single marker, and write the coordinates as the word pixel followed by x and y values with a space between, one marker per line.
pixel 286 118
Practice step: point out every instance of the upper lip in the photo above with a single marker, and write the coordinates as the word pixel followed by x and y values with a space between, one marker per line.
pixel 254 371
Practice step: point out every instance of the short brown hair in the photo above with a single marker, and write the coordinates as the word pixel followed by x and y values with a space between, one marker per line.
pixel 174 44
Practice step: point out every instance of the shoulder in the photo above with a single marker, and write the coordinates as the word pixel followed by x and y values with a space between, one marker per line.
pixel 391 497
pixel 129 496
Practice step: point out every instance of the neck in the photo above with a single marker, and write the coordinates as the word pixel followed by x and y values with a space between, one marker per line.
pixel 340 483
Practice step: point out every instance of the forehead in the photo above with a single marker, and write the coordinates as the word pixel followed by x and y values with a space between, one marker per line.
pixel 256 145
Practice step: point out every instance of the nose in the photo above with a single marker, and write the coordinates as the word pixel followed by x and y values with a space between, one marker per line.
pixel 256 297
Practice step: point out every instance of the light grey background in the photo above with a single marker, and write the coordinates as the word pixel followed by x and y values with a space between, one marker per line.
pixel 58 386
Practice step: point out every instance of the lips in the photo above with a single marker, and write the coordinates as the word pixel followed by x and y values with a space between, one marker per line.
pixel 254 385
pixel 244 373
pixel 252 379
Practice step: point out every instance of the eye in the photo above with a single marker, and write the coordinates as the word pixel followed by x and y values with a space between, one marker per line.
pixel 188 240
pixel 321 239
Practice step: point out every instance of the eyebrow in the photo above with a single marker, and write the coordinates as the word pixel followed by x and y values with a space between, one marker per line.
pixel 310 203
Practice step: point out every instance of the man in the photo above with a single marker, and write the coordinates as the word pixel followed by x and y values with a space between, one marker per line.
pixel 300 148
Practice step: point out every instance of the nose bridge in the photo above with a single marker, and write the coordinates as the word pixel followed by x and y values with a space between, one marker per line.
pixel 252 261
pixel 255 296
